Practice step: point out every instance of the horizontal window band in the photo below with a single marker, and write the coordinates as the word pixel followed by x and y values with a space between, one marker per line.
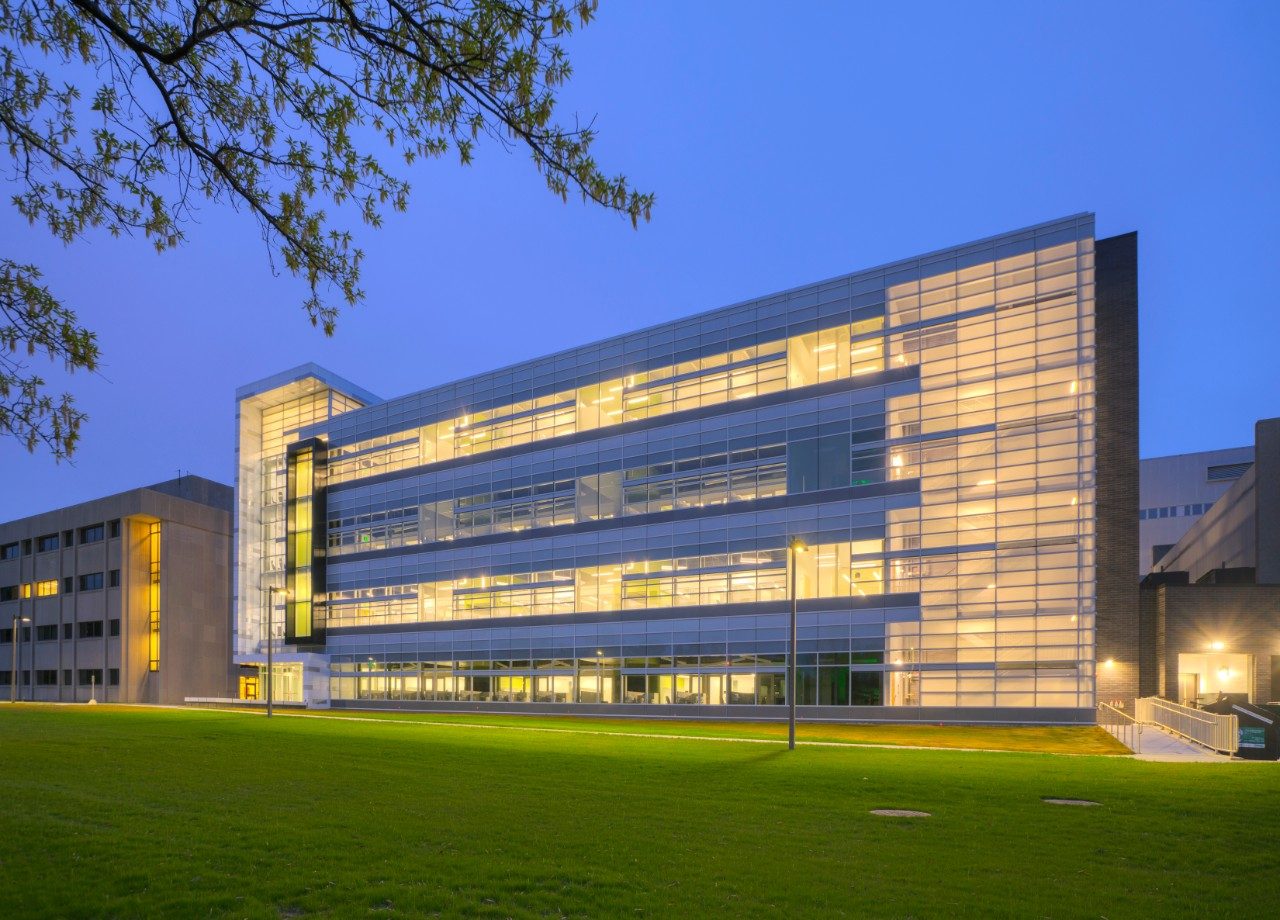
pixel 882 378
pixel 759 608
pixel 803 499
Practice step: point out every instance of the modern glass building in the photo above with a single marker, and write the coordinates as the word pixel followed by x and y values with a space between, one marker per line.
pixel 607 528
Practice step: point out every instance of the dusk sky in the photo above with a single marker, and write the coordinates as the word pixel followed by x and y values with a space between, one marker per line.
pixel 785 145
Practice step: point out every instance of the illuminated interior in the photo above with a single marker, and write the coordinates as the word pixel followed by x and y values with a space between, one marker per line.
pixel 300 491
pixel 269 422
pixel 950 513
pixel 1202 677
pixel 1000 435
pixel 153 596
pixel 849 569
pixel 832 354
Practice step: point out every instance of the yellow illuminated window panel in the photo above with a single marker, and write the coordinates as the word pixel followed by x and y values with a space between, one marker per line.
pixel 153 596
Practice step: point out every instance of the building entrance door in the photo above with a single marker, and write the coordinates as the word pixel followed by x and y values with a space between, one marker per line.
pixel 1188 687
pixel 248 688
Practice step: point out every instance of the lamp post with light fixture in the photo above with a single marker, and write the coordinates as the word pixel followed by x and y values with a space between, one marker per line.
pixel 17 638
pixel 599 675
pixel 272 591
pixel 796 547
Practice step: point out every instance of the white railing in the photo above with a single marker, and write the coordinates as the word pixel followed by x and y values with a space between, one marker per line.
pixel 1217 733
pixel 234 701
pixel 1126 729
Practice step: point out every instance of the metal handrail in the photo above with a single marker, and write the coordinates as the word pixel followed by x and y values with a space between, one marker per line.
pixel 1126 729
pixel 1208 729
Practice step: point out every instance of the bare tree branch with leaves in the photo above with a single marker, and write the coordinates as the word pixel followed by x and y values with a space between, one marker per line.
pixel 280 109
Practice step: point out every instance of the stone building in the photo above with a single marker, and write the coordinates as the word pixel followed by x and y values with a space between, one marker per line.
pixel 121 599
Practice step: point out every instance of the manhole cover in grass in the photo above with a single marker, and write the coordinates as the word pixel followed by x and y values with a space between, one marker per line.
pixel 1083 802
pixel 900 813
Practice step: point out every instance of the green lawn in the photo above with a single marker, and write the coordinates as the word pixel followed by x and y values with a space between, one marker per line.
pixel 127 813
pixel 1066 739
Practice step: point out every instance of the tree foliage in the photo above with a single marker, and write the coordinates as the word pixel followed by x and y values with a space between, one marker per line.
pixel 126 116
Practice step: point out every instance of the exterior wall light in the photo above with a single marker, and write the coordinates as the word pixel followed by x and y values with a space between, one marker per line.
pixel 1217 646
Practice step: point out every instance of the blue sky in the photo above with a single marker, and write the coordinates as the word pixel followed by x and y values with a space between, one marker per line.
pixel 785 145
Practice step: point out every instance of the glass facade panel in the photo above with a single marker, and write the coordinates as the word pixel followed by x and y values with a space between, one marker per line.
pixel 609 526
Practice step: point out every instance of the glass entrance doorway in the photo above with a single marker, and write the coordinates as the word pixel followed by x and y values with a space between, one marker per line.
pixel 286 683
pixel 248 688
pixel 1203 677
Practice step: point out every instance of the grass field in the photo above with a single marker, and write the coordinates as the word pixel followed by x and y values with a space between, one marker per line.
pixel 128 813
pixel 1066 739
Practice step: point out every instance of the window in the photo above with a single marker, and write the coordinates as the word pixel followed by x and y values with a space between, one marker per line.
pixel 113 578
pixel 113 528
pixel 91 581
pixel 9 551
pixel 47 543
pixel 26 547
pixel 825 463
pixel 92 534
pixel 68 539
pixel 47 588
pixel 9 593
pixel 90 676
pixel 47 678
pixel 66 678
pixel 66 584
pixel 6 678
pixel 1225 472
pixel 113 676
pixel 47 633
pixel 67 630
pixel 6 635
pixel 114 627
pixel 91 629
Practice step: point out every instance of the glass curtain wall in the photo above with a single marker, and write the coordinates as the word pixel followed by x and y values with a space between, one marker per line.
pixel 931 436
pixel 268 423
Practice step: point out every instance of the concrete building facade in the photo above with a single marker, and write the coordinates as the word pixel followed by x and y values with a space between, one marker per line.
pixel 1211 614
pixel 1175 491
pixel 121 599
pixel 949 442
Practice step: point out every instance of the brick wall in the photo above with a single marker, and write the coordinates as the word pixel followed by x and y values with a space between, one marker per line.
pixel 1244 618
pixel 1119 635
pixel 1148 650
pixel 1266 439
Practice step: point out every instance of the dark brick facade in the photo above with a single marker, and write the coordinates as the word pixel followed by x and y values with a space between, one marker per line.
pixel 1119 634
pixel 1266 439
pixel 1244 618
pixel 1148 651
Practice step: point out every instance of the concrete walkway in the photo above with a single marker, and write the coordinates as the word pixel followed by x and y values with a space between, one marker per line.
pixel 1158 744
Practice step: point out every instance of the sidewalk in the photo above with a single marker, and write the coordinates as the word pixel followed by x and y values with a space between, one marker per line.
pixel 1160 745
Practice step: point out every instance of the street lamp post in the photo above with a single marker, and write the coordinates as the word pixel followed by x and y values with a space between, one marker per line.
pixel 272 591
pixel 599 675
pixel 797 547
pixel 17 637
